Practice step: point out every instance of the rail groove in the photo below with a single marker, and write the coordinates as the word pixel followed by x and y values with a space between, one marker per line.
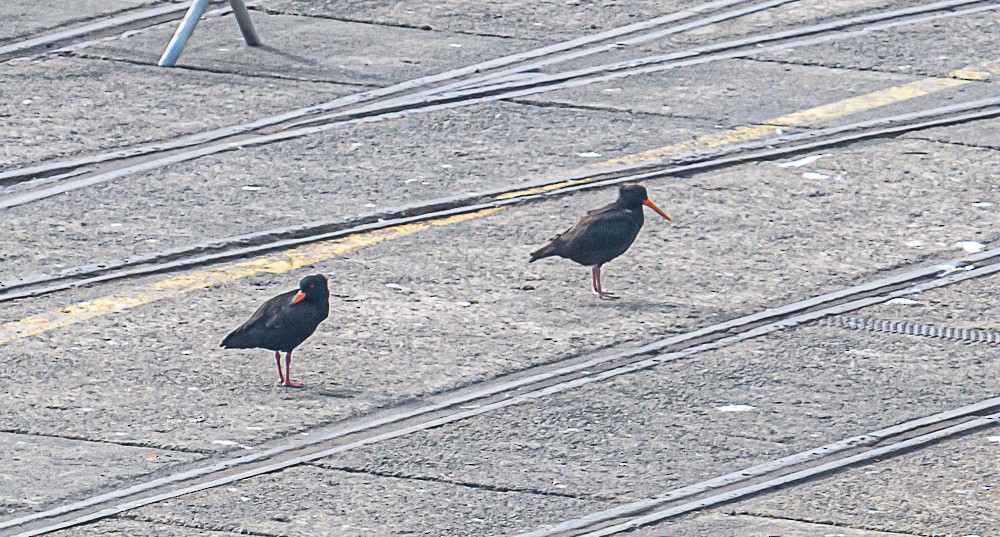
pixel 482 71
pixel 116 23
pixel 780 473
pixel 37 182
pixel 522 388
pixel 230 248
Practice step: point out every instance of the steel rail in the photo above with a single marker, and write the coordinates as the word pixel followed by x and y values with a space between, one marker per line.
pixel 127 20
pixel 177 151
pixel 530 386
pixel 641 28
pixel 226 249
pixel 814 471
pixel 743 47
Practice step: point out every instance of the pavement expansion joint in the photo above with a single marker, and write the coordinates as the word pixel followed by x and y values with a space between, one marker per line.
pixel 504 393
pixel 829 523
pixel 166 15
pixel 957 143
pixel 858 69
pixel 435 100
pixel 421 27
pixel 595 108
pixel 141 445
pixel 908 328
pixel 68 24
pixel 195 526
pixel 465 484
pixel 185 67
pixel 776 475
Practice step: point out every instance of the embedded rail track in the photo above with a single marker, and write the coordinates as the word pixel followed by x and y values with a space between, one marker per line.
pixel 484 71
pixel 782 473
pixel 535 384
pixel 51 179
pixel 230 248
pixel 72 32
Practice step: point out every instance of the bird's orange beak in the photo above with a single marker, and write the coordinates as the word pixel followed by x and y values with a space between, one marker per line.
pixel 299 297
pixel 658 210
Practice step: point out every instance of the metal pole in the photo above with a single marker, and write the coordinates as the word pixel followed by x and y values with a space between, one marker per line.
pixel 246 25
pixel 177 42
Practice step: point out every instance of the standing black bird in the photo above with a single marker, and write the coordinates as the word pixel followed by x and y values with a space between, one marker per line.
pixel 284 322
pixel 603 234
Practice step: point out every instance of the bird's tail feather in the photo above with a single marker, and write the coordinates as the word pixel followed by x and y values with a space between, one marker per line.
pixel 546 251
pixel 236 340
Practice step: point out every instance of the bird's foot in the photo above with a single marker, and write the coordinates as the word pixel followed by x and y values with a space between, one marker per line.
pixel 603 295
pixel 291 383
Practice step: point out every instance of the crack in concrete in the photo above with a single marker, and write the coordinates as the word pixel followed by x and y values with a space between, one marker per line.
pixel 882 71
pixel 141 445
pixel 194 525
pixel 68 24
pixel 830 523
pixel 421 27
pixel 467 484
pixel 101 57
pixel 576 106
pixel 951 142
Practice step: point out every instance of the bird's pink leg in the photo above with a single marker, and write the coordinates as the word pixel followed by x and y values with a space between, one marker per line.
pixel 277 360
pixel 288 372
pixel 597 285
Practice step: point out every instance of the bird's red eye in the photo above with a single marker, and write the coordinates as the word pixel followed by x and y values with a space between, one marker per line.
pixel 312 285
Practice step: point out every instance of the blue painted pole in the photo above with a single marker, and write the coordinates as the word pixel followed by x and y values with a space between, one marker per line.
pixel 246 25
pixel 177 42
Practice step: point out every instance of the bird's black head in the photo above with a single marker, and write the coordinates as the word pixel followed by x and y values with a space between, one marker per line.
pixel 635 196
pixel 312 288
pixel 632 195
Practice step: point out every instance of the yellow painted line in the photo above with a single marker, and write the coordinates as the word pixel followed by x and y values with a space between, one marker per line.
pixel 875 99
pixel 313 253
pixel 844 107
pixel 981 72
pixel 186 283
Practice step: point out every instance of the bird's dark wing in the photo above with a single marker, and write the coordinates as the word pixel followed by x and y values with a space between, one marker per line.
pixel 593 213
pixel 601 236
pixel 268 314
pixel 599 226
pixel 611 207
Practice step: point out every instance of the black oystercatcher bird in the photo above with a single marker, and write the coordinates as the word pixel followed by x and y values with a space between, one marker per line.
pixel 603 234
pixel 284 322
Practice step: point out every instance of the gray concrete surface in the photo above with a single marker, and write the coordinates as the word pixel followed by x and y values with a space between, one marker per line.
pixel 23 20
pixel 973 305
pixel 930 48
pixel 467 291
pixel 118 526
pixel 754 92
pixel 40 470
pixel 132 394
pixel 642 435
pixel 63 107
pixel 344 172
pixel 193 202
pixel 551 21
pixel 311 501
pixel 714 524
pixel 548 21
pixel 466 308
pixel 946 489
pixel 324 50
pixel 976 134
